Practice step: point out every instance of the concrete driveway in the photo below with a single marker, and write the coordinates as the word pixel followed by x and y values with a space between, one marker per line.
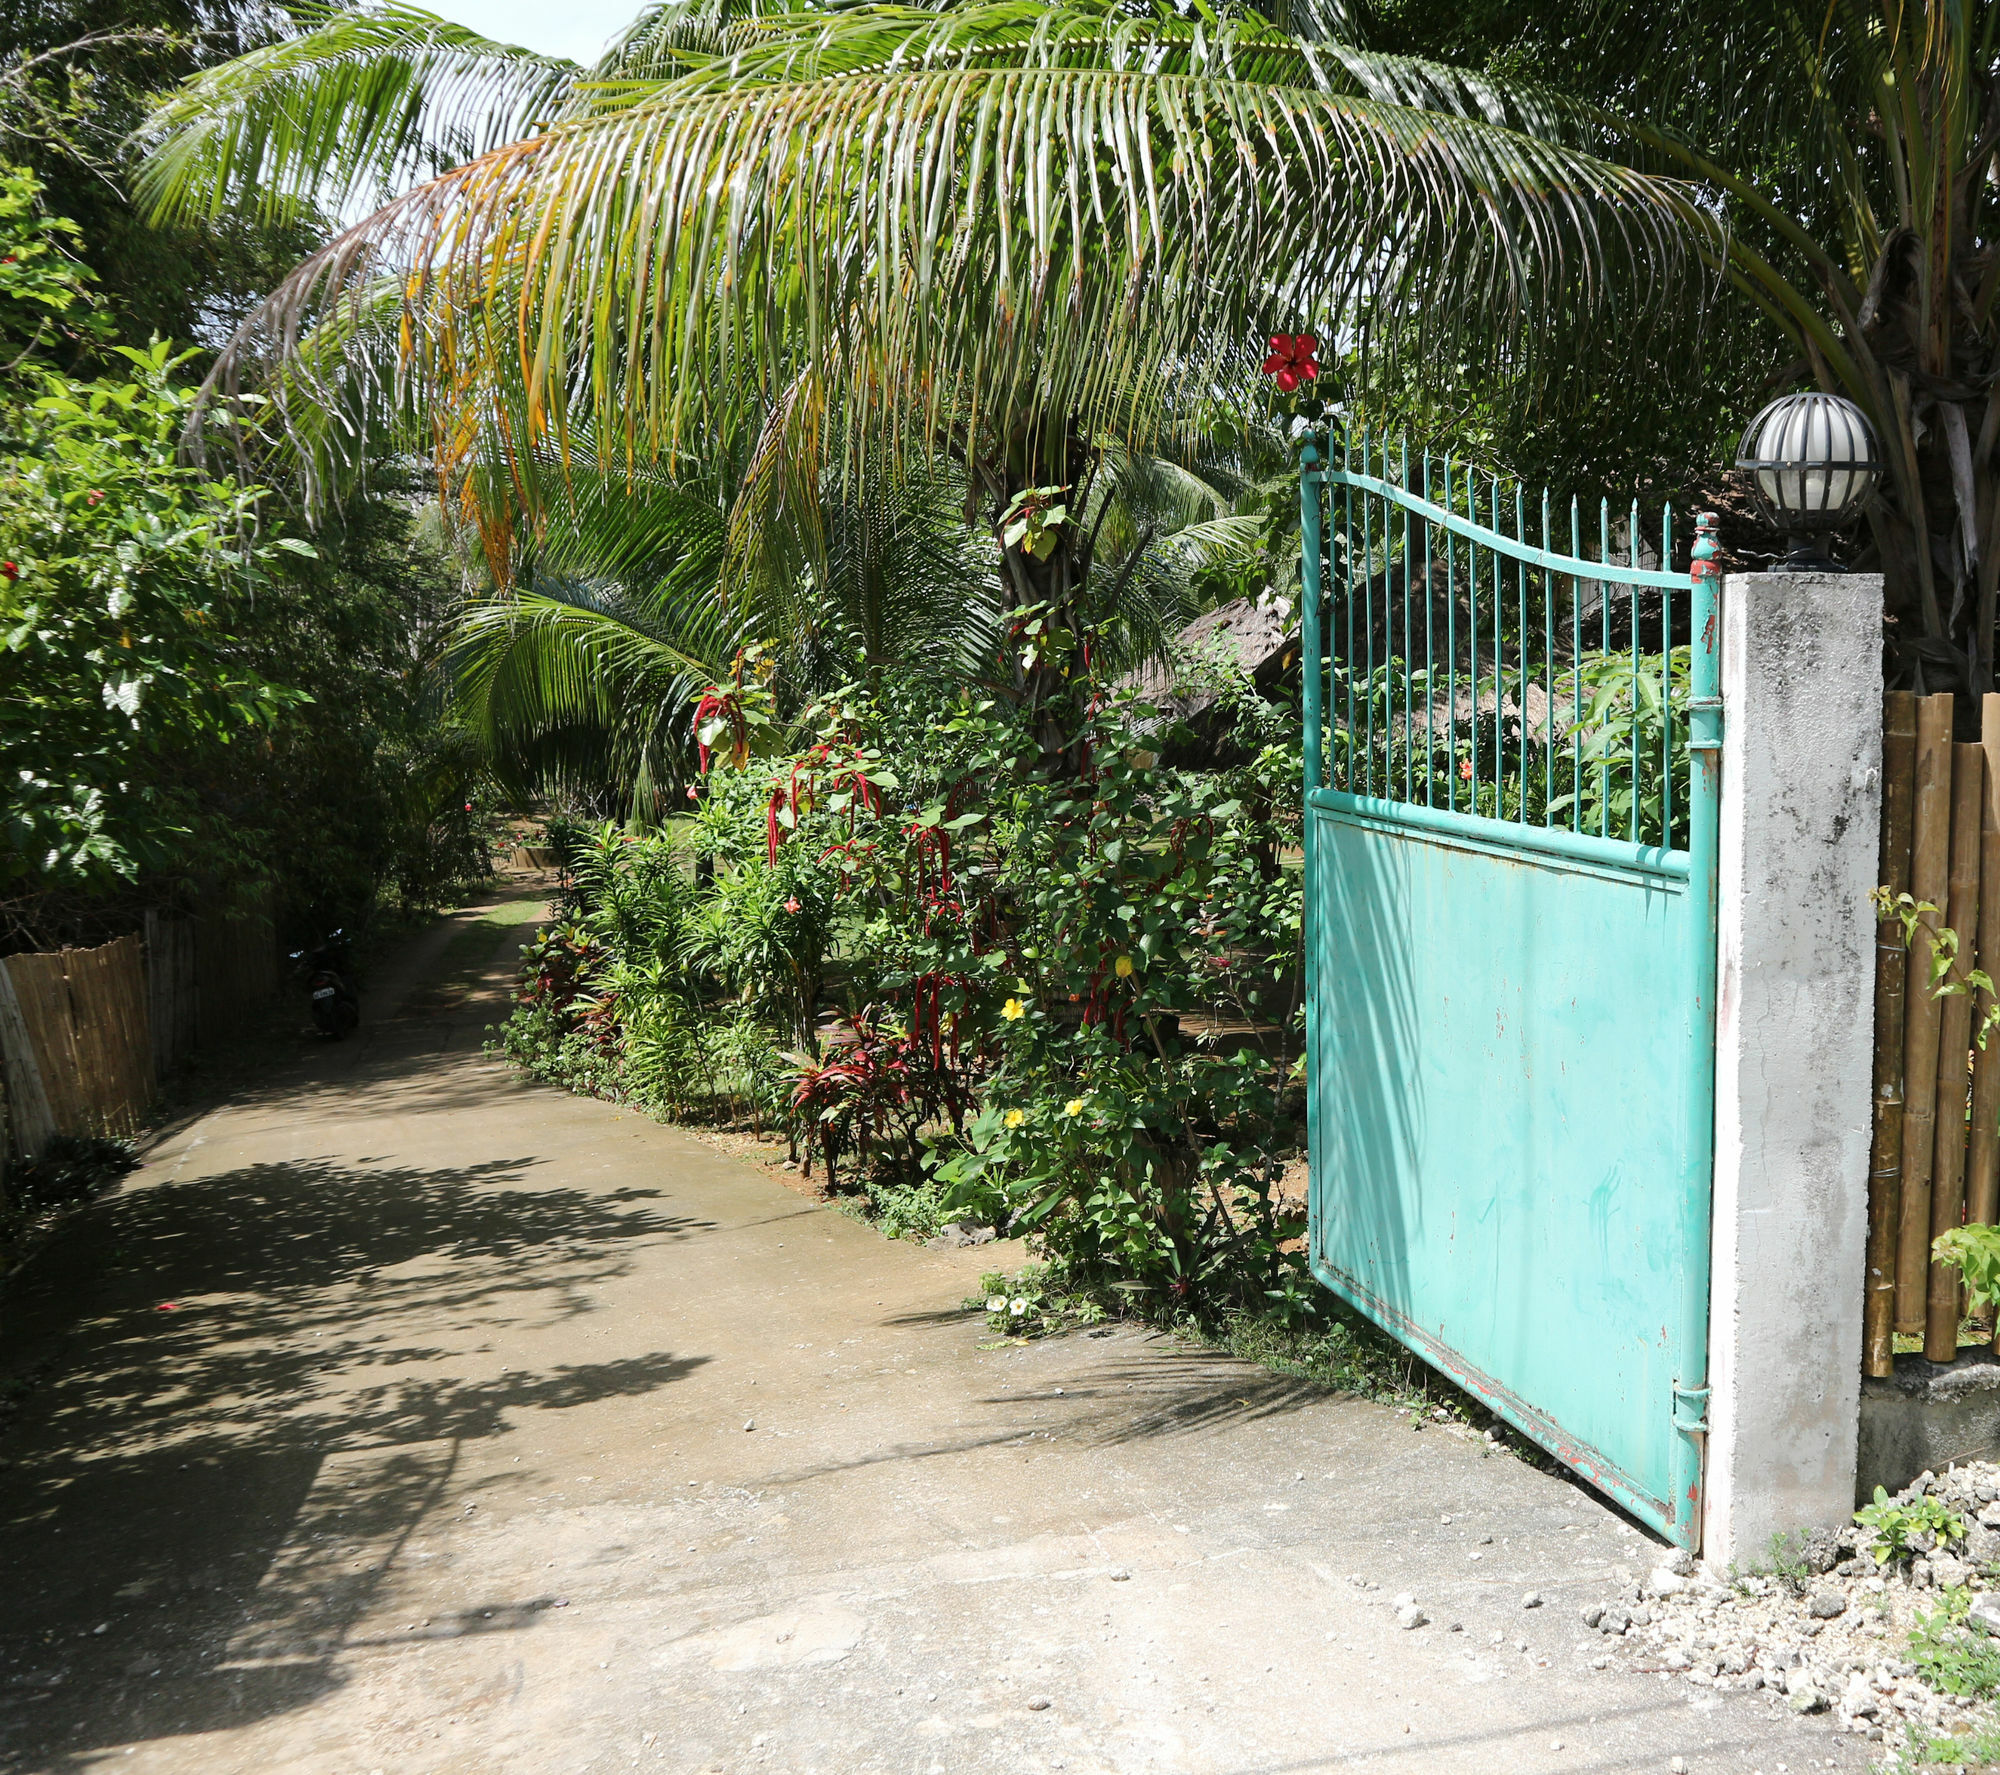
pixel 403 1418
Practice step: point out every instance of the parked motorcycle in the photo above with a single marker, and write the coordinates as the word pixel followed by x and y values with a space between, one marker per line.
pixel 336 1007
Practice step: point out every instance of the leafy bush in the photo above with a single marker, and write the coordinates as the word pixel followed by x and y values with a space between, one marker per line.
pixel 1018 944
pixel 1398 726
pixel 1033 1304
pixel 202 698
pixel 124 577
pixel 1976 1251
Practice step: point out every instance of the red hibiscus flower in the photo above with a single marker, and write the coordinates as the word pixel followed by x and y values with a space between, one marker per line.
pixel 10 570
pixel 1292 359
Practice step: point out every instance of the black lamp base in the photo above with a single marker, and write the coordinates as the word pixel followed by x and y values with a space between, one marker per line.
pixel 1807 556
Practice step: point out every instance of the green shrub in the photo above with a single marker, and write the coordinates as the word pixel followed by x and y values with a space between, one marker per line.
pixel 1013 942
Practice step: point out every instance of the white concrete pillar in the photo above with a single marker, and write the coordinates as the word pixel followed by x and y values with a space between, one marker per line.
pixel 1801 768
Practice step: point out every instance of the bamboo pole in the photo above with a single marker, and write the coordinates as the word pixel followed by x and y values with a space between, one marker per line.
pixel 1968 801
pixel 1885 1167
pixel 1930 882
pixel 1982 1152
pixel 1982 1155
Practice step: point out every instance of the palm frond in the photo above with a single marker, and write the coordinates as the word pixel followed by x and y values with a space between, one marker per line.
pixel 351 109
pixel 579 678
pixel 1077 241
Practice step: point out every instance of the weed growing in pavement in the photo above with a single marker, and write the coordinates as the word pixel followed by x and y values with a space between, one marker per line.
pixel 917 1211
pixel 1785 1560
pixel 1033 1304
pixel 1951 1655
pixel 1345 1353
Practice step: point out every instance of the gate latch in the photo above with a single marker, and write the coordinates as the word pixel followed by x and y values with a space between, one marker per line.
pixel 1691 1409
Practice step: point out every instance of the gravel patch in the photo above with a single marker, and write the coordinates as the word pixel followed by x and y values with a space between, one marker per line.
pixel 1826 1632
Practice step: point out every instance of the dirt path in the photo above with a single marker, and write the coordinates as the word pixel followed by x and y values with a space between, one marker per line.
pixel 398 1418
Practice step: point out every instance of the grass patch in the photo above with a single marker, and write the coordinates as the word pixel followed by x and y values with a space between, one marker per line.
pixel 1341 1351
pixel 462 964
pixel 913 1211
pixel 1972 1335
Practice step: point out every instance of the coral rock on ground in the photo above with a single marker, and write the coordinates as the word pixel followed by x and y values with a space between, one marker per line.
pixel 1828 1631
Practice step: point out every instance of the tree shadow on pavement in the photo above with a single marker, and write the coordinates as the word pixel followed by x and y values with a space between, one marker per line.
pixel 246 1391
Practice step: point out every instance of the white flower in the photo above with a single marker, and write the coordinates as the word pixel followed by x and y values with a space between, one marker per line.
pixel 996 1303
pixel 1019 1306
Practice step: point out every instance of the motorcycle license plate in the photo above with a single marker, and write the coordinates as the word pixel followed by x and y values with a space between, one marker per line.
pixel 324 992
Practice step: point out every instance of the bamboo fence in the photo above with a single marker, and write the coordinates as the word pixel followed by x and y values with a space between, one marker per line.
pixel 236 967
pixel 1935 1153
pixel 78 1041
pixel 173 988
pixel 85 1034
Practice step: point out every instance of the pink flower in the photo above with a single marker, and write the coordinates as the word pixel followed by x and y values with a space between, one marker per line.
pixel 791 905
pixel 1465 770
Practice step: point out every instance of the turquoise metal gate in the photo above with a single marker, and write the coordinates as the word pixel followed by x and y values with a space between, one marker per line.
pixel 1510 884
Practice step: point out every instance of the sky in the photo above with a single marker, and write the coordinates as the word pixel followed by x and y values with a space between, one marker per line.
pixel 578 29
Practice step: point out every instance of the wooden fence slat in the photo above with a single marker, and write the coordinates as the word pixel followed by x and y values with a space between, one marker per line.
pixel 124 974
pixel 1982 1153
pixel 83 1022
pixel 1885 1170
pixel 172 1007
pixel 43 996
pixel 237 963
pixel 142 1075
pixel 1968 801
pixel 93 1026
pixel 1930 882
pixel 30 1126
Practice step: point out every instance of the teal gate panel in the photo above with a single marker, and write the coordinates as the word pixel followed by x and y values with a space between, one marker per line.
pixel 1510 1015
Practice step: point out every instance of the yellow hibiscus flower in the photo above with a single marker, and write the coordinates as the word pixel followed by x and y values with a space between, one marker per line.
pixel 1074 1107
pixel 1015 1117
pixel 1013 1010
pixel 1122 967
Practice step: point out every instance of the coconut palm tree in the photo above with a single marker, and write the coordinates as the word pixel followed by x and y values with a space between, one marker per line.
pixel 1004 240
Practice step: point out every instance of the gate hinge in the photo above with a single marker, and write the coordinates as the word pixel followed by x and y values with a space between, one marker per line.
pixel 1700 705
pixel 1691 1409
